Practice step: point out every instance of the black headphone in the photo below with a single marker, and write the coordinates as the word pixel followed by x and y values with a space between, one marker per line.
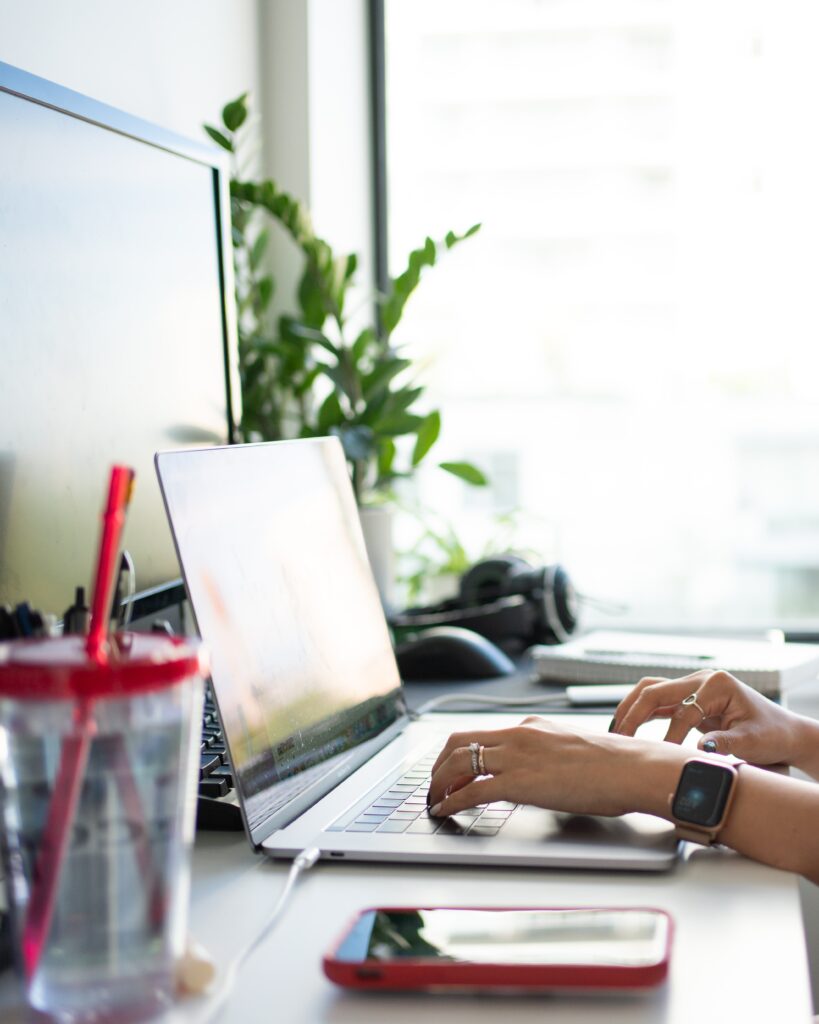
pixel 507 601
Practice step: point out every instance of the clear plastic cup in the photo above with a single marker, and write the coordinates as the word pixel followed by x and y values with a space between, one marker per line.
pixel 99 763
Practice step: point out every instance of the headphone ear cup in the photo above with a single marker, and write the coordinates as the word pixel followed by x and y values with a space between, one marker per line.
pixel 559 602
pixel 508 601
pixel 488 580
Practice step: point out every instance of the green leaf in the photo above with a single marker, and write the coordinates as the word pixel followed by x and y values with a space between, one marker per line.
pixel 235 113
pixel 293 329
pixel 427 436
pixel 382 374
pixel 361 344
pixel 303 386
pixel 311 299
pixel 330 414
pixel 339 379
pixel 258 249
pixel 453 239
pixel 401 400
pixel 465 471
pixel 339 277
pixel 264 348
pixel 404 285
pixel 352 266
pixel 401 423
pixel 219 138
pixel 386 457
pixel 264 292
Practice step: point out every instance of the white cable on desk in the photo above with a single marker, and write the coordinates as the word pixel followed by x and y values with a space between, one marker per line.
pixel 305 860
pixel 532 703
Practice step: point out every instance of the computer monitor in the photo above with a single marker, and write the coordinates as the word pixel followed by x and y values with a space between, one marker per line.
pixel 117 331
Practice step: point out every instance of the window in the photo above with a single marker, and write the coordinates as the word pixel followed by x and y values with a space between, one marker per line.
pixel 630 345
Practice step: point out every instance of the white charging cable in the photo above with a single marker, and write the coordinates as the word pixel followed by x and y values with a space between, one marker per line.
pixel 545 701
pixel 305 860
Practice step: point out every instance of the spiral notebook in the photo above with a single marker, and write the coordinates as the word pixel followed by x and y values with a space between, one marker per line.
pixel 614 657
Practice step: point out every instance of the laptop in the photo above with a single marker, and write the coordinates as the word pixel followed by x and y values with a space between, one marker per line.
pixel 324 750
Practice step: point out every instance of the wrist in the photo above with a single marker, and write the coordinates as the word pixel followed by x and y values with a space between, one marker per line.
pixel 805 754
pixel 653 773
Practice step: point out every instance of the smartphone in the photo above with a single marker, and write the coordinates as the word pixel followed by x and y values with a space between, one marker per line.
pixel 526 949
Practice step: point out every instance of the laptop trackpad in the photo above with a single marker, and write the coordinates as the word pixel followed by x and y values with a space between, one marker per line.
pixel 636 831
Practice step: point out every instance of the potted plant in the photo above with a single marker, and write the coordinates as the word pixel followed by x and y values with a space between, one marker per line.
pixel 313 373
pixel 309 376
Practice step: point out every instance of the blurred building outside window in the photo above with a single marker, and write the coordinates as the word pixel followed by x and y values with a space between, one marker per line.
pixel 630 345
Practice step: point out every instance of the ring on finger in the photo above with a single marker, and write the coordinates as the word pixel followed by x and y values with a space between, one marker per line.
pixel 481 762
pixel 691 702
pixel 476 753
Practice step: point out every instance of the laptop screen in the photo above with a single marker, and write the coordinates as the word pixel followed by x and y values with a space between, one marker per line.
pixel 270 545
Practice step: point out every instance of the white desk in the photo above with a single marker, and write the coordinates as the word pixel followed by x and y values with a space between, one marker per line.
pixel 739 950
pixel 739 947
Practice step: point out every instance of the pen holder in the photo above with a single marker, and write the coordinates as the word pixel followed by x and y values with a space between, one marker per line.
pixel 98 763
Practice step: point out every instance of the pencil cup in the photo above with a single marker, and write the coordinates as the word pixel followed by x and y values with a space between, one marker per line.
pixel 98 763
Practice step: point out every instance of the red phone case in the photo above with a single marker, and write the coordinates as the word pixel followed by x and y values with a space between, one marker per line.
pixel 425 973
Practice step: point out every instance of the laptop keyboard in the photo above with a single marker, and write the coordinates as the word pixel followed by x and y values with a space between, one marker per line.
pixel 215 770
pixel 402 807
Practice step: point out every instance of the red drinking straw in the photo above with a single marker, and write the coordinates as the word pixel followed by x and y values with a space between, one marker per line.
pixel 75 748
pixel 120 489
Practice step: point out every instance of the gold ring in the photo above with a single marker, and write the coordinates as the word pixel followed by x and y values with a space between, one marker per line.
pixel 691 702
pixel 481 764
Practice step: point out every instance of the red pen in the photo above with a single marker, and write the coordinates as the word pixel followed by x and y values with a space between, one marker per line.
pixel 120 489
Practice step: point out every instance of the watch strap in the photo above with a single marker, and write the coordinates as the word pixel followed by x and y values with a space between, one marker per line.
pixel 705 837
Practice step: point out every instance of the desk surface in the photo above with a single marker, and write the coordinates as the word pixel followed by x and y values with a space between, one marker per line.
pixel 738 954
pixel 739 950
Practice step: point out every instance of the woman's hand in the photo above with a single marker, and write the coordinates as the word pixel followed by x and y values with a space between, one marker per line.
pixel 550 765
pixel 547 764
pixel 733 718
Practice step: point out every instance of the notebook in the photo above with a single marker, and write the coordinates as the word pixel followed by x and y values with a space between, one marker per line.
pixel 313 711
pixel 606 656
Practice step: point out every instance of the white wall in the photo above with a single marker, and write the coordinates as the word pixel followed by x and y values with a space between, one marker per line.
pixel 172 62
pixel 316 124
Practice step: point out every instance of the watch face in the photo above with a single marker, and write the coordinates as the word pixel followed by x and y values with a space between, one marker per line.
pixel 702 794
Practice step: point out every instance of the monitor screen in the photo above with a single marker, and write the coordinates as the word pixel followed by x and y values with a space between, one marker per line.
pixel 115 306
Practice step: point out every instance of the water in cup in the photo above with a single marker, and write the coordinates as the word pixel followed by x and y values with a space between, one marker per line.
pixel 99 765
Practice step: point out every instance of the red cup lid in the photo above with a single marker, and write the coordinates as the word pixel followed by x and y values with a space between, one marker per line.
pixel 55 668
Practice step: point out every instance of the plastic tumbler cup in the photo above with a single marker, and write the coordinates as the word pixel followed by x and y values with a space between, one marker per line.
pixel 98 763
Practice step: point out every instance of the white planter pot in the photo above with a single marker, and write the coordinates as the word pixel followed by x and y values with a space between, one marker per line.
pixel 376 524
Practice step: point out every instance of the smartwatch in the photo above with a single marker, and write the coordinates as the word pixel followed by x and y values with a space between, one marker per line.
pixel 703 798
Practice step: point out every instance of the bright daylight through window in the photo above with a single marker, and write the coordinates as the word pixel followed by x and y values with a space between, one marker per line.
pixel 629 345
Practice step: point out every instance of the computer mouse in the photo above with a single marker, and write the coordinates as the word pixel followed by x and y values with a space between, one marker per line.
pixel 451 652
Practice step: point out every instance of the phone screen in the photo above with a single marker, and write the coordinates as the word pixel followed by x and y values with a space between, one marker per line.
pixel 623 938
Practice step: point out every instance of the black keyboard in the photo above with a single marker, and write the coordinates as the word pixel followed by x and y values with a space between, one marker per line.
pixel 217 807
